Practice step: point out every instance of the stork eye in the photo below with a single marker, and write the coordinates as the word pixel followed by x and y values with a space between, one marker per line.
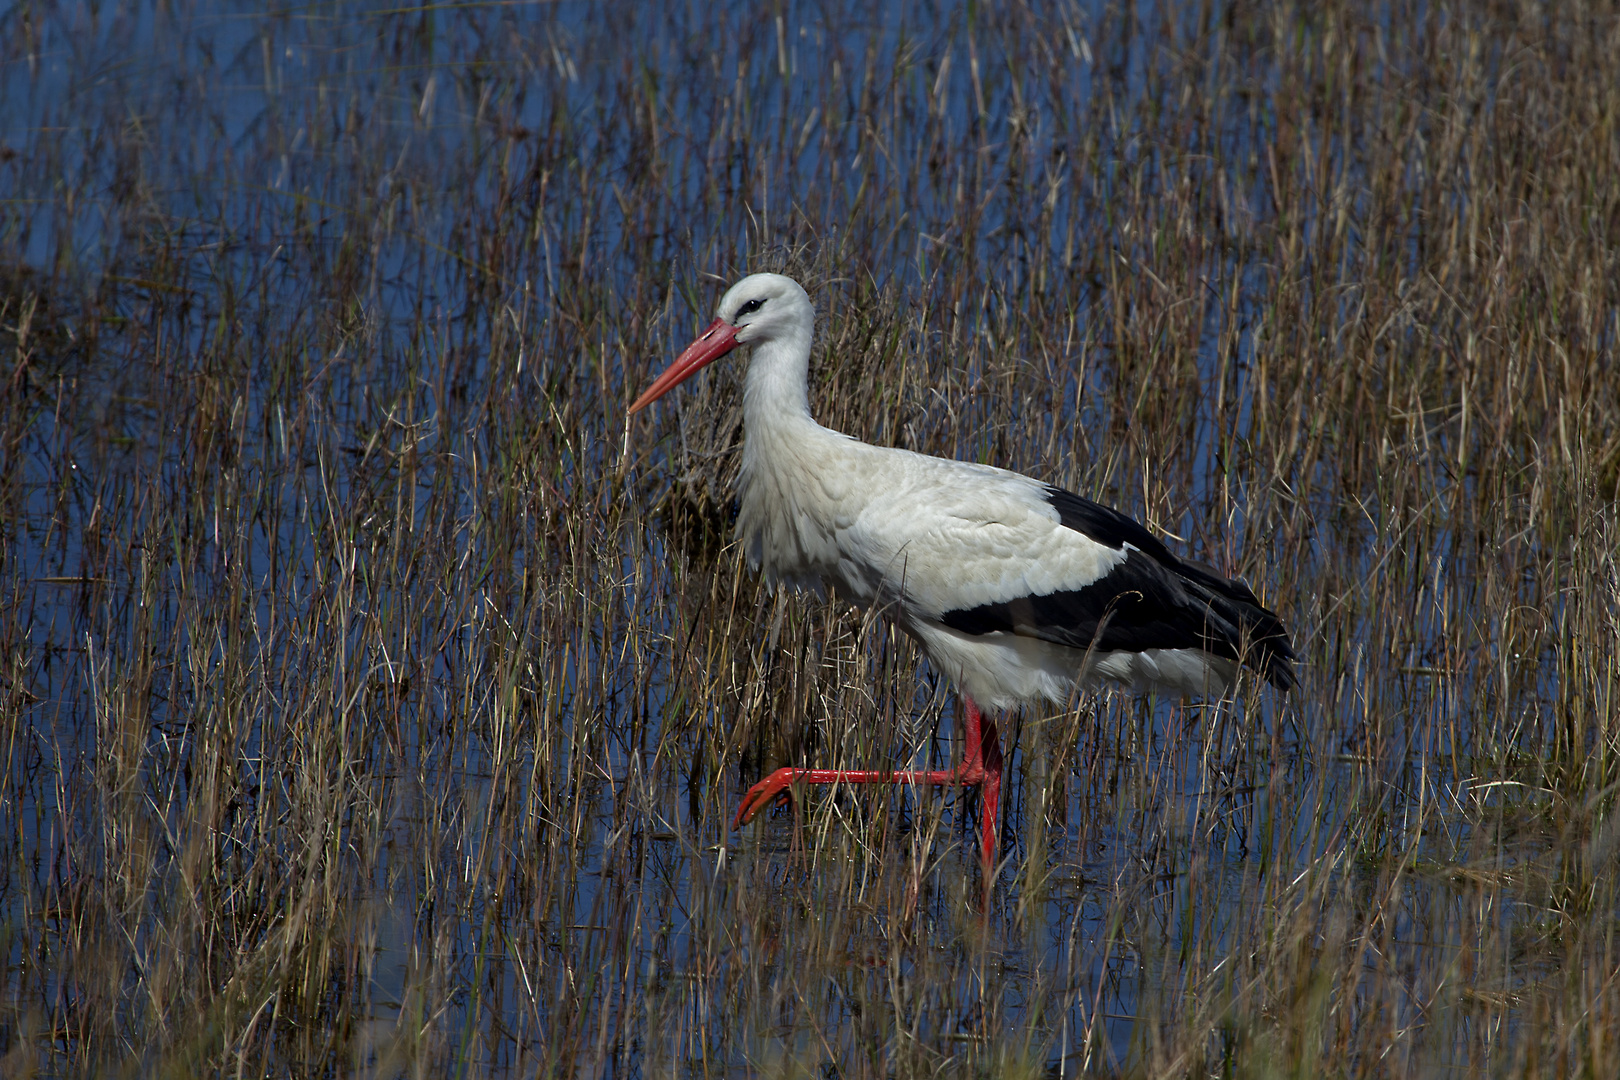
pixel 750 307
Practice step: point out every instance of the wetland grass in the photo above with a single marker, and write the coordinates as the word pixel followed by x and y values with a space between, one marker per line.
pixel 371 704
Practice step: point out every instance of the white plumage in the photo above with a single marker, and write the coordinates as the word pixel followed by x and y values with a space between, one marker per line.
pixel 916 537
pixel 1016 590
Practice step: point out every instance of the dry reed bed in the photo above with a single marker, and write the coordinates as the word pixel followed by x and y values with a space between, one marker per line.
pixel 374 702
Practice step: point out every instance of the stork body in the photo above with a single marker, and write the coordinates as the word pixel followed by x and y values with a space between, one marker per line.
pixel 1015 589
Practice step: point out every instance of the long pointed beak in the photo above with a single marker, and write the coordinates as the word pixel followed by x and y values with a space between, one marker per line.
pixel 719 339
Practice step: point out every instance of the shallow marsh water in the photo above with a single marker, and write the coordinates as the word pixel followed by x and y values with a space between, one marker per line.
pixel 375 699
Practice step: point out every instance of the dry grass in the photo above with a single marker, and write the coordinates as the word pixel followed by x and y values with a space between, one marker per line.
pixel 372 703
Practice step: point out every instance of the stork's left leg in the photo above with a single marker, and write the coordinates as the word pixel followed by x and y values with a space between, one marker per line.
pixel 989 796
pixel 980 768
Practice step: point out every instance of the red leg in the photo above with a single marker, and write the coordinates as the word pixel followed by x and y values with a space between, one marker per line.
pixel 990 802
pixel 981 768
pixel 775 786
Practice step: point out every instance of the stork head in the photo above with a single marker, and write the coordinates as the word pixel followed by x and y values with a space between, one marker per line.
pixel 759 308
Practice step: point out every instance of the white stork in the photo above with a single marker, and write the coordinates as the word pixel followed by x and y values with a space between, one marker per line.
pixel 1015 589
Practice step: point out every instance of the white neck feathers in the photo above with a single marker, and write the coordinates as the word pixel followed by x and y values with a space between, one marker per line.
pixel 776 388
pixel 788 461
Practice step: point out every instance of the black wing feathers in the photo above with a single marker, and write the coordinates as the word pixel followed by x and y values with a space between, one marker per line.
pixel 1152 600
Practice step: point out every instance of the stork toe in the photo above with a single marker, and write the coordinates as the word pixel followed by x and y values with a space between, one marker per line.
pixel 773 787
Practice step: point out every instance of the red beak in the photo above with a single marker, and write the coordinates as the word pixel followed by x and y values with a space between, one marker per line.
pixel 719 339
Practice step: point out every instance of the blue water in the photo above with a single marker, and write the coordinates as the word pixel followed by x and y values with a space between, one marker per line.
pixel 252 157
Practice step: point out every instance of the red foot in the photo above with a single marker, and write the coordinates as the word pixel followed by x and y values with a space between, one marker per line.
pixel 773 788
pixel 980 768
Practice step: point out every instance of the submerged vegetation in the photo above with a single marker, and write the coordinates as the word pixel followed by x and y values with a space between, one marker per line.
pixel 373 698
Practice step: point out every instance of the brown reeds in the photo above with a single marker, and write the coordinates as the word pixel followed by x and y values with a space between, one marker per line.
pixel 373 701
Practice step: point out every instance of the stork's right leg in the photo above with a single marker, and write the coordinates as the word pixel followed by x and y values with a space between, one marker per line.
pixel 980 768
